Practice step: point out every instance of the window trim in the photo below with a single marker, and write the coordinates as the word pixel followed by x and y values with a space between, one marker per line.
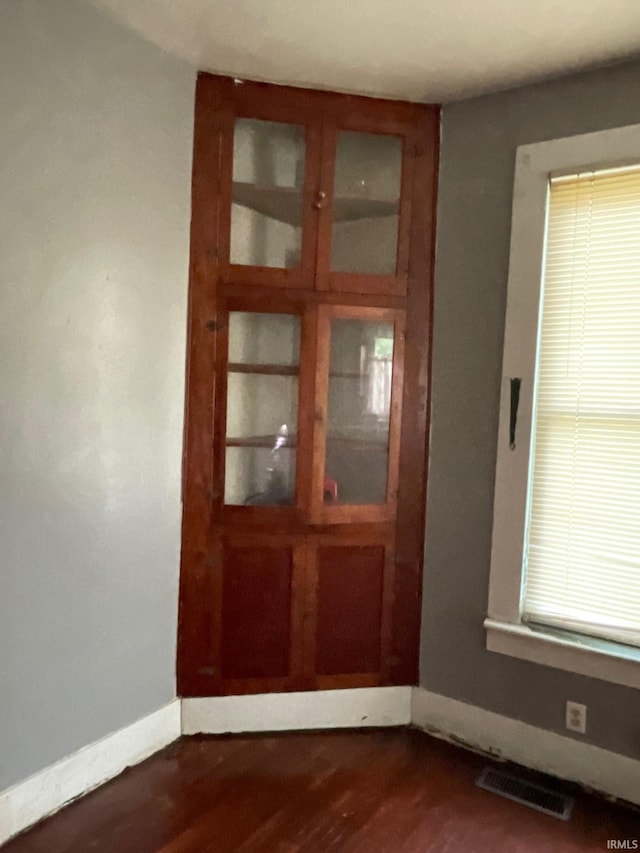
pixel 506 632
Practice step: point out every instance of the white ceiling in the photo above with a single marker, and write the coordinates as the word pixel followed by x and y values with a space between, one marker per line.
pixel 420 50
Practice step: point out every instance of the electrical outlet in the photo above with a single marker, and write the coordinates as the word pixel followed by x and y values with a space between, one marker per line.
pixel 576 718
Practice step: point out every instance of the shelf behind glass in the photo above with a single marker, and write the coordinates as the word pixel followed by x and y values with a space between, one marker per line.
pixel 283 204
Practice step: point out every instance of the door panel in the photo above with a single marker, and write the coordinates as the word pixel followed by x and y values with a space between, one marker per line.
pixel 256 612
pixel 349 609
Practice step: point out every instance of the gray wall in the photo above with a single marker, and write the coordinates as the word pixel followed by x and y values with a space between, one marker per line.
pixel 95 158
pixel 474 217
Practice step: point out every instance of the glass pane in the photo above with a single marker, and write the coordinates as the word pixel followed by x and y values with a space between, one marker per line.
pixel 360 375
pixel 268 176
pixel 264 339
pixel 249 480
pixel 262 408
pixel 366 203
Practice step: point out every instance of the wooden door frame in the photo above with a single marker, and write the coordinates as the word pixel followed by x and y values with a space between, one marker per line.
pixel 347 117
pixel 247 100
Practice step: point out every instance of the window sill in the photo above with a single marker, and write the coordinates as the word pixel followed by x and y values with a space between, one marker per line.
pixel 574 653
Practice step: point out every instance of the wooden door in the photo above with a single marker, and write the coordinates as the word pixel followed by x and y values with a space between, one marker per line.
pixel 269 173
pixel 366 178
pixel 314 189
pixel 358 414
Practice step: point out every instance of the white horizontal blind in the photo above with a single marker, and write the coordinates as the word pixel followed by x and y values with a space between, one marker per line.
pixel 582 542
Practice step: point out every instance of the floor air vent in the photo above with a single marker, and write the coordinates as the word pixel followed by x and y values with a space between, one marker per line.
pixel 528 793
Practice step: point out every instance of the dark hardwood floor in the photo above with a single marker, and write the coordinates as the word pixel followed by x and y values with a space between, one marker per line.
pixel 378 790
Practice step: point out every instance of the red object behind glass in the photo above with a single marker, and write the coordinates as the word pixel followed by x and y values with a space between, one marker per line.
pixel 330 490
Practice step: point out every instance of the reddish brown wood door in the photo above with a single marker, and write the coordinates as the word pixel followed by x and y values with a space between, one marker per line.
pixel 315 190
pixel 305 442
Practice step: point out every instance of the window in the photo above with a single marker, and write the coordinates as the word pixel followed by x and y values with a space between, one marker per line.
pixel 565 567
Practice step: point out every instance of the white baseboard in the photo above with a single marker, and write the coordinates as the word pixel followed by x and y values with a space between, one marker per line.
pixel 321 709
pixel 44 793
pixel 595 768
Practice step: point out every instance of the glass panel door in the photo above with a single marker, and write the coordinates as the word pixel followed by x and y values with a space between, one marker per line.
pixel 262 409
pixel 268 180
